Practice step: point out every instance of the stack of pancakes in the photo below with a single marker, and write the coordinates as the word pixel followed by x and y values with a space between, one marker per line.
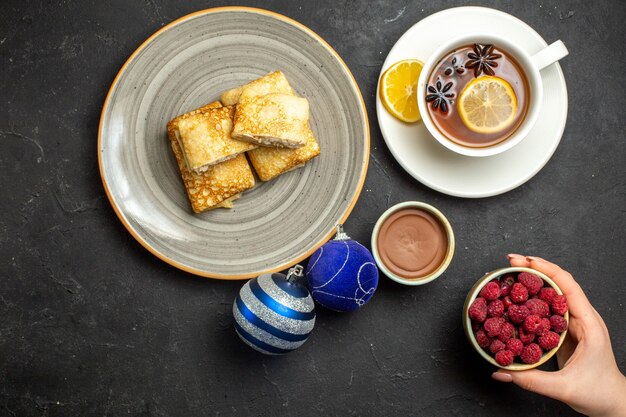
pixel 264 119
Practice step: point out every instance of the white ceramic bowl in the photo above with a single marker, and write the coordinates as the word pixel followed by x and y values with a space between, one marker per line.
pixel 449 233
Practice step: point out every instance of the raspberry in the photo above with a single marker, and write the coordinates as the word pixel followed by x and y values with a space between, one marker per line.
pixel 507 302
pixel 506 332
pixel 505 290
pixel 559 305
pixel 524 336
pixel 493 326
pixel 504 357
pixel 491 291
pixel 478 310
pixel 506 282
pixel 549 340
pixel 531 353
pixel 496 308
pixel 531 281
pixel 538 307
pixel 496 346
pixel 532 323
pixel 515 346
pixel 517 314
pixel 519 293
pixel 547 294
pixel 482 339
pixel 558 324
pixel 544 326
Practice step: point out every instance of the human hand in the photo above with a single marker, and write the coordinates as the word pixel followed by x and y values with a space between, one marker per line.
pixel 588 379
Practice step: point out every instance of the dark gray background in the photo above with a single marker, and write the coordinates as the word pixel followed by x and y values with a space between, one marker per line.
pixel 92 324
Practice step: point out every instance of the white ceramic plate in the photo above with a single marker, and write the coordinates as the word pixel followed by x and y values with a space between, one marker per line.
pixel 189 63
pixel 462 176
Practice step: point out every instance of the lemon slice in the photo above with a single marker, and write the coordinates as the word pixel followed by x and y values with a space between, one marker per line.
pixel 397 90
pixel 487 104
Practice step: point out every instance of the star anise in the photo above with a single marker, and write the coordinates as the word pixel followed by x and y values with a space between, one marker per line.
pixel 455 67
pixel 438 96
pixel 483 60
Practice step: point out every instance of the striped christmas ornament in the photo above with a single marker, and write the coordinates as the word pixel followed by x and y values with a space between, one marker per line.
pixel 273 313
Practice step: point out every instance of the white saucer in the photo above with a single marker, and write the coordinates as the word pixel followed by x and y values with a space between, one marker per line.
pixel 462 176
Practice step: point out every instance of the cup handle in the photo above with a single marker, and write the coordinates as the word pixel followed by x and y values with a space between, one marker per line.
pixel 550 54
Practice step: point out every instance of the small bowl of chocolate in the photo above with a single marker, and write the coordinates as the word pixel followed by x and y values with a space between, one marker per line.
pixel 413 243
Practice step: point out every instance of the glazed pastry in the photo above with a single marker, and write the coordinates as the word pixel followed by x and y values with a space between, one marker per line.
pixel 231 97
pixel 269 162
pixel 272 120
pixel 204 137
pixel 274 82
pixel 219 185
pixel 272 162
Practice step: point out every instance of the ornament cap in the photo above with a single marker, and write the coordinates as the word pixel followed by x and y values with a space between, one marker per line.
pixel 295 273
pixel 341 235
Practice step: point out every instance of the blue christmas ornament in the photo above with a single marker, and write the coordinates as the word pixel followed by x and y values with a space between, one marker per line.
pixel 342 275
pixel 273 313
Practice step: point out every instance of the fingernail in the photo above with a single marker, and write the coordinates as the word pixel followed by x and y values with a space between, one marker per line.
pixel 513 255
pixel 502 376
pixel 533 258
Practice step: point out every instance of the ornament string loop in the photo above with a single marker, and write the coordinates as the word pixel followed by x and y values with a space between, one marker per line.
pixel 341 235
pixel 295 273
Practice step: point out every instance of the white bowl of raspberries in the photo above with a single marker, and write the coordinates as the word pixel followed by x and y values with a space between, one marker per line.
pixel 516 318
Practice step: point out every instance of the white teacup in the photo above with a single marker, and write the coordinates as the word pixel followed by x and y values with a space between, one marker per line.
pixel 530 65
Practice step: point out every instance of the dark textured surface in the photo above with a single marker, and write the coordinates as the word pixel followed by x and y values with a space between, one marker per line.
pixel 92 324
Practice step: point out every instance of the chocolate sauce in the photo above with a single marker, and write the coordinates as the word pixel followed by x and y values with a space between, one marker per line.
pixel 412 243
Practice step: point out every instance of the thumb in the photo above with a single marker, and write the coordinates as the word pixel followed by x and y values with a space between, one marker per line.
pixel 545 383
